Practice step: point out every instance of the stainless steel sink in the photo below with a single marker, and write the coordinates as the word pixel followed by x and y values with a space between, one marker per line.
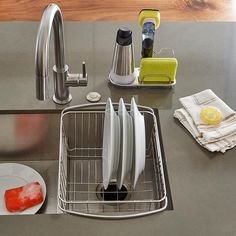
pixel 32 140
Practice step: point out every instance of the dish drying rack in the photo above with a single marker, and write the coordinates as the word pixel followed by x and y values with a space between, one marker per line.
pixel 80 189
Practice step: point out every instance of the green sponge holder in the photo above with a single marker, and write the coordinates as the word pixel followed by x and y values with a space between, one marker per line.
pixel 159 71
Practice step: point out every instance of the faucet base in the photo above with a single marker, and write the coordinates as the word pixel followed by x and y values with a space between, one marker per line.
pixel 62 102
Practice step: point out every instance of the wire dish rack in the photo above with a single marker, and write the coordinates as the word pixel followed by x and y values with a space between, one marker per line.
pixel 80 189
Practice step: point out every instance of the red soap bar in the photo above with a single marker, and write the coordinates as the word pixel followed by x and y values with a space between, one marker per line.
pixel 21 198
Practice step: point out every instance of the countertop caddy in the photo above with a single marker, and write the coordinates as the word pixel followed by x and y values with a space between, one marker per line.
pixel 155 69
pixel 202 183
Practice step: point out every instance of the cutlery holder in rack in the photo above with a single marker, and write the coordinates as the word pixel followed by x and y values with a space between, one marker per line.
pixel 80 189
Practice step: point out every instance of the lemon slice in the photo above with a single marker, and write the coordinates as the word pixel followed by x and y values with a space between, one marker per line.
pixel 211 115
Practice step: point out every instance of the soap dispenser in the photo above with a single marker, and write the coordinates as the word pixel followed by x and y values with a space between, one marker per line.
pixel 149 21
pixel 122 71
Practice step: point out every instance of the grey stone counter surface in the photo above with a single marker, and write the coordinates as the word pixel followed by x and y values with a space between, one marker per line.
pixel 202 183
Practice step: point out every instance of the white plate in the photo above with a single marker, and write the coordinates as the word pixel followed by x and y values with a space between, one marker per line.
pixel 116 156
pixel 13 175
pixel 126 151
pixel 111 143
pixel 139 143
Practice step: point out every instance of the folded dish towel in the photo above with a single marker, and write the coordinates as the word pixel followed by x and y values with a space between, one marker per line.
pixel 214 137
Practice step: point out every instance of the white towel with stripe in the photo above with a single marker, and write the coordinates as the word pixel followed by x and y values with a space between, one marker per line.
pixel 220 137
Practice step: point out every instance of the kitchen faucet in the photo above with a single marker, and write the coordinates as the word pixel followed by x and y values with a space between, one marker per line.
pixel 52 16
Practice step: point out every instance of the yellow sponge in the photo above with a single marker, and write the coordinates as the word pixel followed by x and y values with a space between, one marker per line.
pixel 157 70
pixel 150 14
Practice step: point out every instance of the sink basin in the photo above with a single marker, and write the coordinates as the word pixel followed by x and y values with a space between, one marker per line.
pixel 32 140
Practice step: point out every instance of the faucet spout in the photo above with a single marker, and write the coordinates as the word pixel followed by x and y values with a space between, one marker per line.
pixel 51 18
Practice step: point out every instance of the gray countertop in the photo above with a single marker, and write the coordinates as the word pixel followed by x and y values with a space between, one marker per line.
pixel 202 183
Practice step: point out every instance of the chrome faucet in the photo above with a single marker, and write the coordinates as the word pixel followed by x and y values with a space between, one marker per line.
pixel 52 16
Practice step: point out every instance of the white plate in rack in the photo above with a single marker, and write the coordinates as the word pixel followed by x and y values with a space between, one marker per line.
pixel 13 175
pixel 126 152
pixel 139 143
pixel 111 143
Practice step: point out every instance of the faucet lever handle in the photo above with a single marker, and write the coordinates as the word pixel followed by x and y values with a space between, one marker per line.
pixel 74 80
pixel 84 75
pixel 83 78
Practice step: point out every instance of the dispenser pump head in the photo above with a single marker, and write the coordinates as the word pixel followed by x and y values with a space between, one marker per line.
pixel 124 36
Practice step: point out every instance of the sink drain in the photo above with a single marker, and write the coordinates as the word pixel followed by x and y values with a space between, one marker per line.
pixel 112 193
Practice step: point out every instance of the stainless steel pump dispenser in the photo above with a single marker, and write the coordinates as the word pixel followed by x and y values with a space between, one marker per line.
pixel 122 71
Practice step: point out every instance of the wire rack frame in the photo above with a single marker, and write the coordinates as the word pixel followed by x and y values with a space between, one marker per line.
pixel 80 164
